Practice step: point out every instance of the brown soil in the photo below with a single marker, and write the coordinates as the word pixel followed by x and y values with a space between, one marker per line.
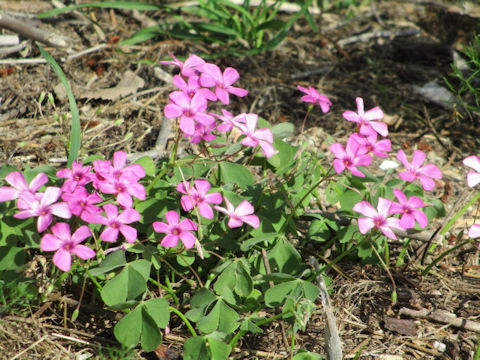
pixel 383 70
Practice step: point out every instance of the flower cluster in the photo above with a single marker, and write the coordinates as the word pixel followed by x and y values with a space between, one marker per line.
pixel 206 82
pixel 84 187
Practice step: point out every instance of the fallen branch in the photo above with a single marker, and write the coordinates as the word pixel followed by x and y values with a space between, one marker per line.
pixel 333 344
pixel 29 31
pixel 442 317
pixel 377 34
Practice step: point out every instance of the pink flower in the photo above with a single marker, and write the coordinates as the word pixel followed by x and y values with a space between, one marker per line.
pixel 314 97
pixel 366 120
pixel 190 111
pixel 239 215
pixel 474 231
pixel 416 171
pixel 197 196
pixel 378 219
pixel 378 148
pixel 473 177
pixel 43 206
pixel 192 87
pixel 203 133
pixel 227 121
pixel 123 190
pixel 349 158
pixel 408 209
pixel 64 244
pixel 176 230
pixel 120 169
pixel 19 185
pixel 188 68
pixel 212 76
pixel 78 175
pixel 115 223
pixel 254 137
pixel 81 201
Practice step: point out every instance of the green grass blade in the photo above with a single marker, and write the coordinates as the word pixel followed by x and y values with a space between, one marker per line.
pixel 128 5
pixel 76 131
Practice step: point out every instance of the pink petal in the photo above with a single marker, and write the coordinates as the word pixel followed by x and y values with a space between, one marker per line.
pixel 62 231
pixel 205 210
pixel 431 171
pixel 170 240
pixel 234 222
pixel 338 165
pixel 187 203
pixel 427 183
pixel 380 127
pixel 82 233
pixel 373 114
pixel 44 222
pixel 172 217
pixel 128 216
pixel 172 111
pixel 244 208
pixel 473 179
pixel 365 208
pixel 474 231
pixel 407 221
pixel 119 159
pixel 8 193
pixel 61 210
pixel 222 95
pixel 384 207
pixel 403 158
pixel 202 186
pixel 130 233
pixel 351 116
pixel 230 75
pixel 400 196
pixel 188 239
pixel 160 227
pixel 252 220
pixel 214 198
pixel 109 234
pixel 418 158
pixel 62 259
pixel 360 108
pixel 17 180
pixel 365 224
pixel 38 181
pixel 237 91
pixel 338 150
pixel 50 195
pixel 187 225
pixel 83 252
pixel 473 162
pixel 421 218
pixel 50 242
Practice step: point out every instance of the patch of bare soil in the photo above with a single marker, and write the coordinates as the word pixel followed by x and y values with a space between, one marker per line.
pixel 381 54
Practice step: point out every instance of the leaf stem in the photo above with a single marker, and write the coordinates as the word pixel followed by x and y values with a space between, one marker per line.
pixel 184 319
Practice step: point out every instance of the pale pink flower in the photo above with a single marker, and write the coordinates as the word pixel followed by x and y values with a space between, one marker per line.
pixel 190 111
pixel 64 244
pixel 188 68
pixel 198 196
pixel 123 190
pixel 416 171
pixel 473 177
pixel 78 175
pixel 203 133
pixel 115 223
pixel 366 120
pixel 212 76
pixel 378 148
pixel 474 231
pixel 377 218
pixel 314 97
pixel 19 185
pixel 239 215
pixel 349 158
pixel 227 119
pixel 255 137
pixel 43 206
pixel 409 210
pixel 176 230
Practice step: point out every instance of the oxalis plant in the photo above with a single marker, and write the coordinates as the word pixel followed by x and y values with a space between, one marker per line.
pixel 211 240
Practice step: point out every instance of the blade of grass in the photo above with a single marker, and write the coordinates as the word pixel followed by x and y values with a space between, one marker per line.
pixel 128 5
pixel 75 132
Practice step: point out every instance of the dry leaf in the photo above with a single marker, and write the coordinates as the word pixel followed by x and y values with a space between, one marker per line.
pixel 129 84
pixel 401 326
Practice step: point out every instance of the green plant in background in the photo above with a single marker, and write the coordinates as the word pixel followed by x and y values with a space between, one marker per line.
pixel 237 29
pixel 467 81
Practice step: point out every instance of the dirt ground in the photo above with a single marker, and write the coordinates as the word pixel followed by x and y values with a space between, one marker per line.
pixel 384 53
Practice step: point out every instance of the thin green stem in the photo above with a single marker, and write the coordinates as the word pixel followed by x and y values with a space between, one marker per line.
pixel 184 319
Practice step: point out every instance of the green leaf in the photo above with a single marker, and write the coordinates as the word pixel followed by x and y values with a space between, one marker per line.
pixel 131 5
pixel 222 318
pixel 283 130
pixel 348 199
pixel 127 331
pixel 275 24
pixel 148 165
pixel 297 289
pixel 12 258
pixel 143 267
pixel 249 326
pixel 285 258
pixel 76 131
pixel 232 173
pixel 128 285
pixel 236 277
pixel 151 335
pixel 219 350
pixel 195 348
pixel 285 155
pixel 307 355
pixel 113 261
pixel 199 303
pixel 158 310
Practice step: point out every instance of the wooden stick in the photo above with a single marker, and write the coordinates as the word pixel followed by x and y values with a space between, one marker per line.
pixel 442 317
